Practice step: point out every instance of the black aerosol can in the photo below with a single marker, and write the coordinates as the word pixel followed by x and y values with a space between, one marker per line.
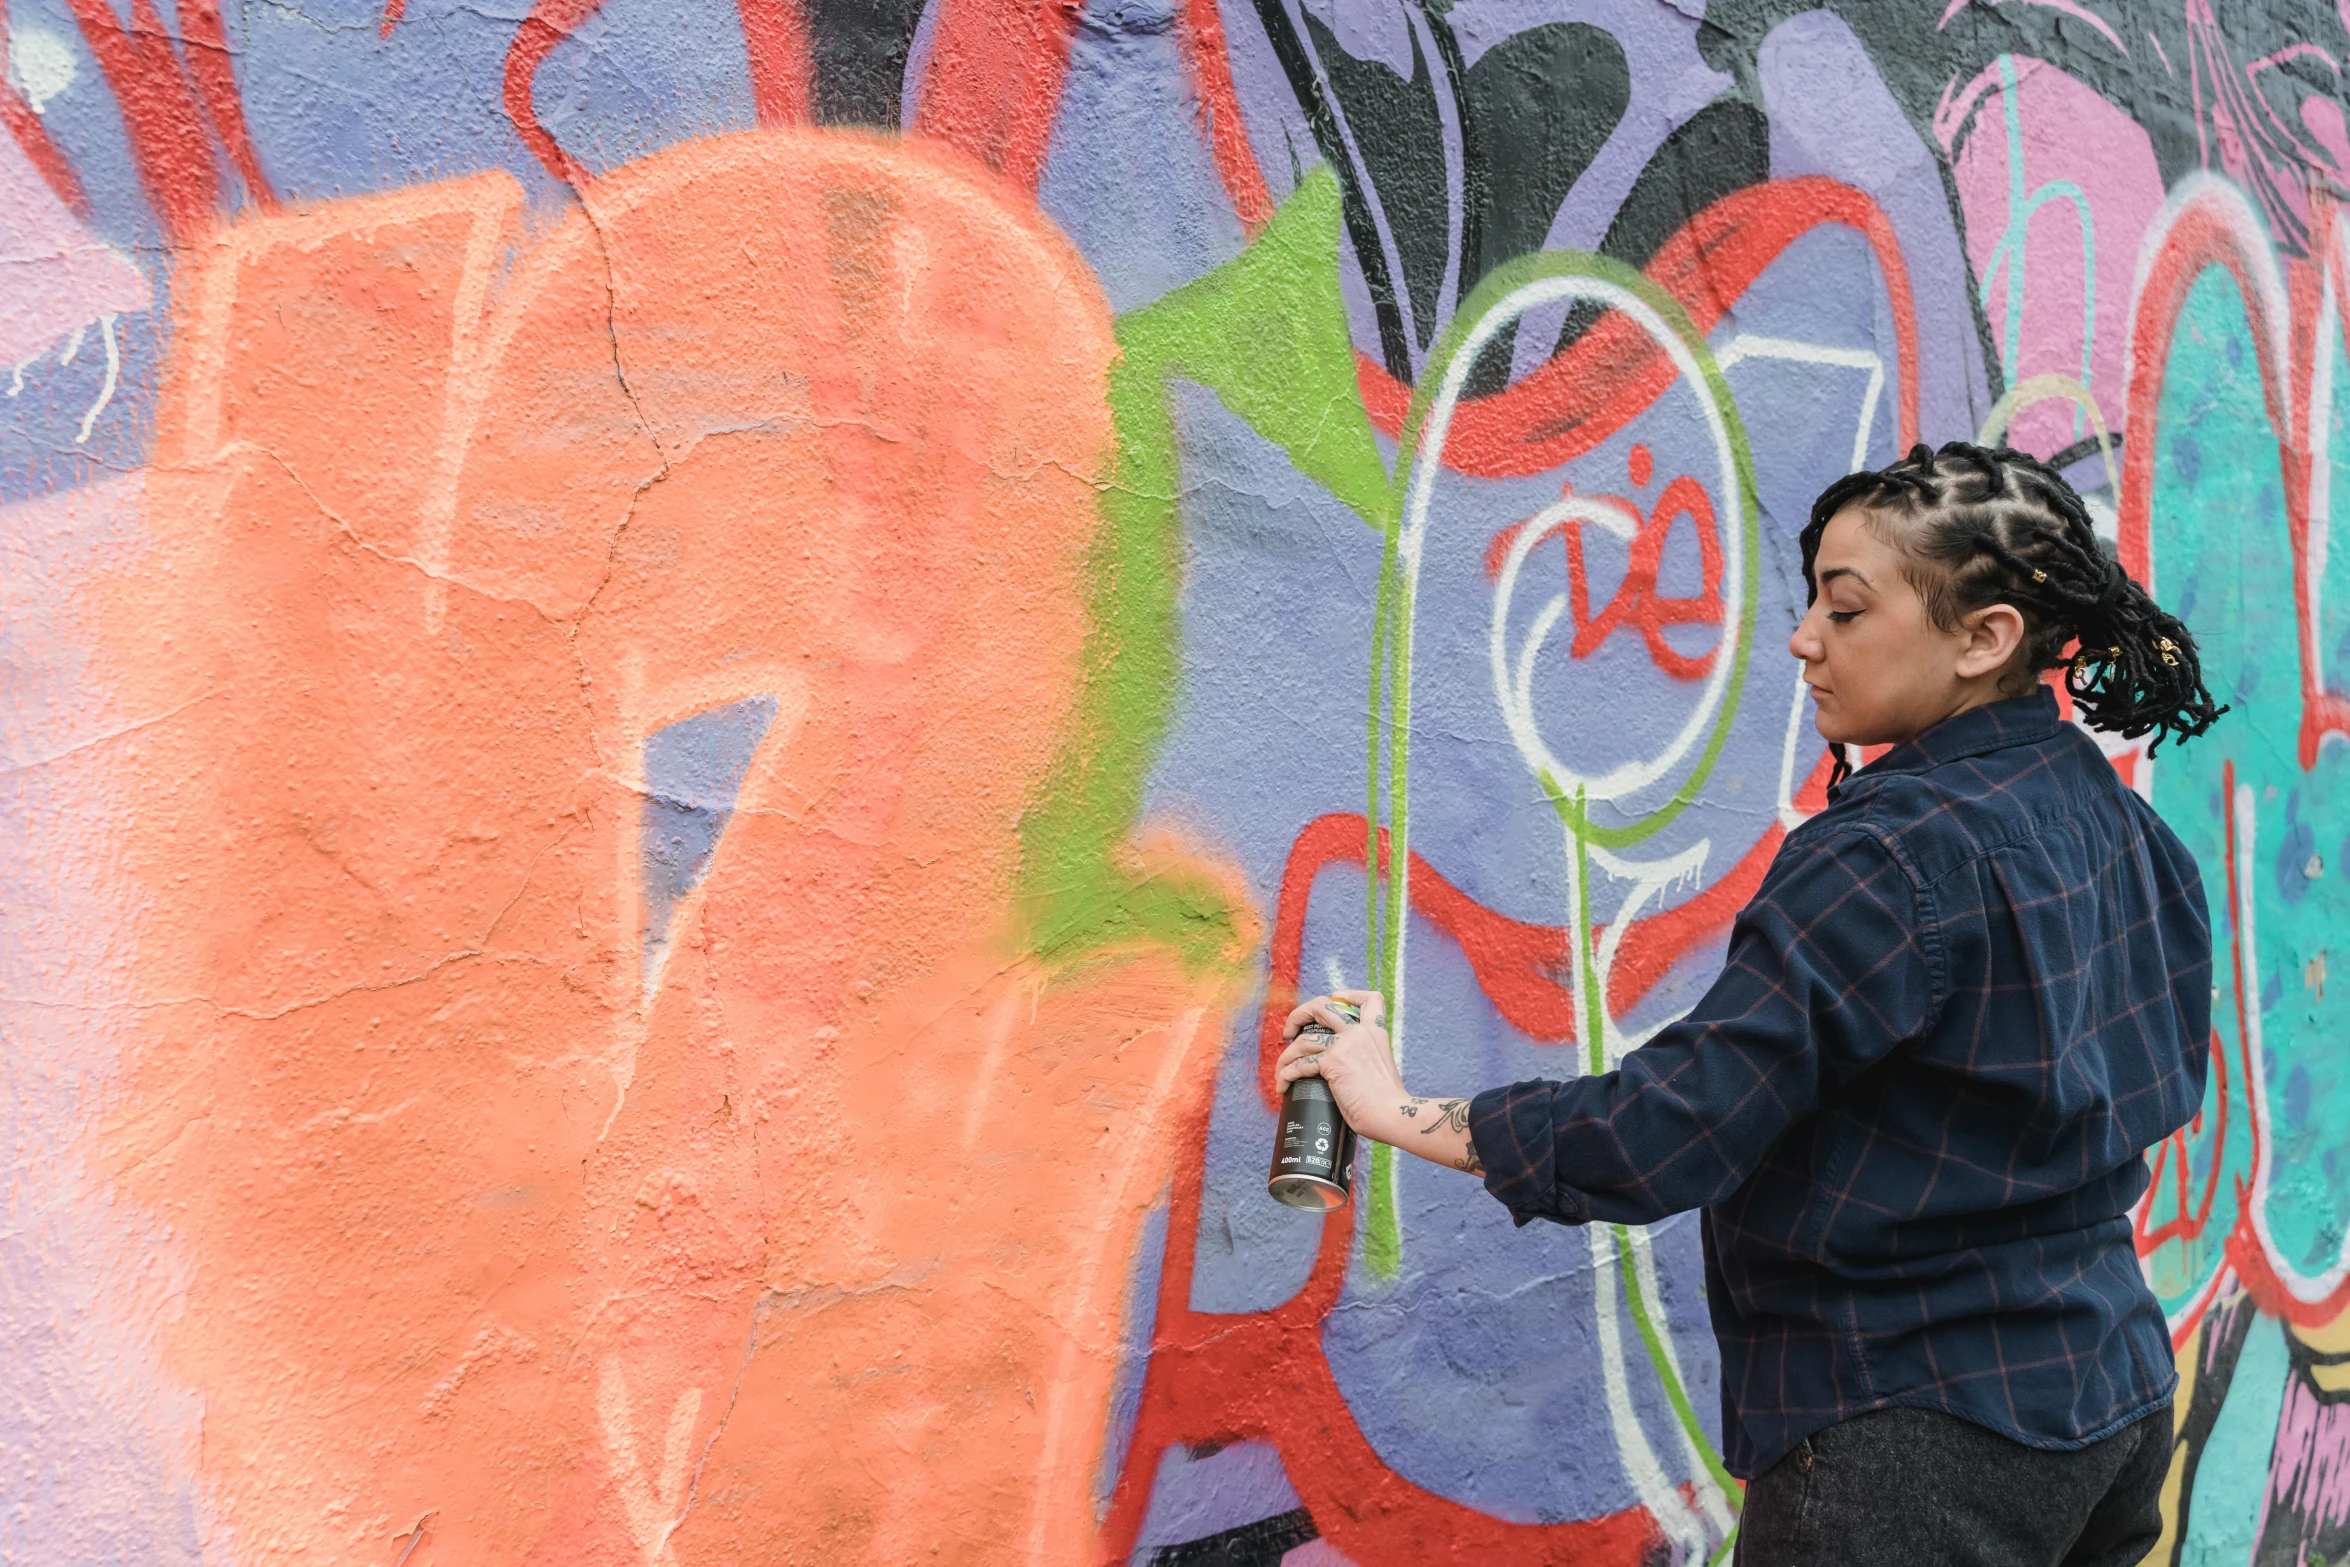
pixel 1314 1150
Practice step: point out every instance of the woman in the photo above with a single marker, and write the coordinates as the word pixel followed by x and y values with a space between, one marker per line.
pixel 1967 998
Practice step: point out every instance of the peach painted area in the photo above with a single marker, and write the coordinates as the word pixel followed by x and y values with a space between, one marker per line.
pixel 806 1241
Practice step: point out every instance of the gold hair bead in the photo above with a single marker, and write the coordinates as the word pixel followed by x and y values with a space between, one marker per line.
pixel 2168 649
pixel 2038 575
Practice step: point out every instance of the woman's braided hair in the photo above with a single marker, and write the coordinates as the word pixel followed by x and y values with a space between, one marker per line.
pixel 1988 525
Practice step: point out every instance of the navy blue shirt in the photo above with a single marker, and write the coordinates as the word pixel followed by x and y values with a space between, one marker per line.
pixel 1967 998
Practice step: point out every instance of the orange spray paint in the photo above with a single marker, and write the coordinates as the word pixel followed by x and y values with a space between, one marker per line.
pixel 805 1238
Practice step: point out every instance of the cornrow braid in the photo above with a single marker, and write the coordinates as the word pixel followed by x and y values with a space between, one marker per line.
pixel 1982 526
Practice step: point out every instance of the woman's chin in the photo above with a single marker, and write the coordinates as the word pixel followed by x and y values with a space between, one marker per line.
pixel 1853 734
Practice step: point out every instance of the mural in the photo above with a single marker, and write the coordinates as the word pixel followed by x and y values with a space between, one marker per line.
pixel 685 685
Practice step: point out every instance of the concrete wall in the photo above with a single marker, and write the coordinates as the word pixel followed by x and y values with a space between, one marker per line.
pixel 684 684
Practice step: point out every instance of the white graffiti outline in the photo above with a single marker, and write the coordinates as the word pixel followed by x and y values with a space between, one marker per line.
pixel 2302 1287
pixel 1750 345
pixel 1664 1501
pixel 1709 1496
pixel 2270 316
pixel 1656 1490
pixel 1631 777
pixel 2321 452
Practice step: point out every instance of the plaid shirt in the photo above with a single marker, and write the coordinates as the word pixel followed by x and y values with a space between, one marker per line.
pixel 1968 997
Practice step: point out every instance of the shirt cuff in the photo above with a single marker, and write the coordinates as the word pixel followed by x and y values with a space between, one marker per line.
pixel 1515 1138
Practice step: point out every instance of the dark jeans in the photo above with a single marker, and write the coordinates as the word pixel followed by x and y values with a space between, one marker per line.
pixel 1912 1488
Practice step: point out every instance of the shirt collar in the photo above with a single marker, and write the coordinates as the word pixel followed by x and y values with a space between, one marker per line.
pixel 2022 720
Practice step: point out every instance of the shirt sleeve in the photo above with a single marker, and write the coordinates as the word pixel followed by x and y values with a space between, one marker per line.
pixel 1829 968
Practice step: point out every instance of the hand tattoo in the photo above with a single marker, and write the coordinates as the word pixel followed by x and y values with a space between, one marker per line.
pixel 1470 1162
pixel 1411 1110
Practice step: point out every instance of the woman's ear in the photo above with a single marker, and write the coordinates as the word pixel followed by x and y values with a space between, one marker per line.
pixel 1988 638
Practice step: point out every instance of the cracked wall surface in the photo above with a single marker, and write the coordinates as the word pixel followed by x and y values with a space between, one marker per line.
pixel 683 686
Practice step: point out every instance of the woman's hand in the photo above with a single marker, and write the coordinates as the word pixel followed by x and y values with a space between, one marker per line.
pixel 1359 1065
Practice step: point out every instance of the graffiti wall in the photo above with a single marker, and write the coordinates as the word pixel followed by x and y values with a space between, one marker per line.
pixel 684 686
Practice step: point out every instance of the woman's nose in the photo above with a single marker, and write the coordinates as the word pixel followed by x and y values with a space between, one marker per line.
pixel 1803 641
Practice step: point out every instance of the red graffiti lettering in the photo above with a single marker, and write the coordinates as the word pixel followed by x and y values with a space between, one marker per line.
pixel 171 128
pixel 33 137
pixel 205 42
pixel 1520 967
pixel 1637 602
pixel 994 83
pixel 774 36
pixel 2204 233
pixel 1598 385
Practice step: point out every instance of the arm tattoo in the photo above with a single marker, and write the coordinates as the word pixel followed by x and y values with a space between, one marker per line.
pixel 1453 1113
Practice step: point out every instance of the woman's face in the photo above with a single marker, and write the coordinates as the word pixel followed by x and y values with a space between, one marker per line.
pixel 1879 669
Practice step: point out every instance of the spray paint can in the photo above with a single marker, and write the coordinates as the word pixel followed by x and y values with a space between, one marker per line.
pixel 1313 1148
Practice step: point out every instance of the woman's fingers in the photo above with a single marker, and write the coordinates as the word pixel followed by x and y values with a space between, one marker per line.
pixel 1342 1055
pixel 1369 1003
pixel 1319 1009
pixel 1301 1058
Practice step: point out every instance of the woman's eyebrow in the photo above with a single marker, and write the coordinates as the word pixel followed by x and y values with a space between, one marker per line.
pixel 1833 572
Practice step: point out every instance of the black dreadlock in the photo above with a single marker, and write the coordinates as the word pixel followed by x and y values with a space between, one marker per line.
pixel 1990 526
